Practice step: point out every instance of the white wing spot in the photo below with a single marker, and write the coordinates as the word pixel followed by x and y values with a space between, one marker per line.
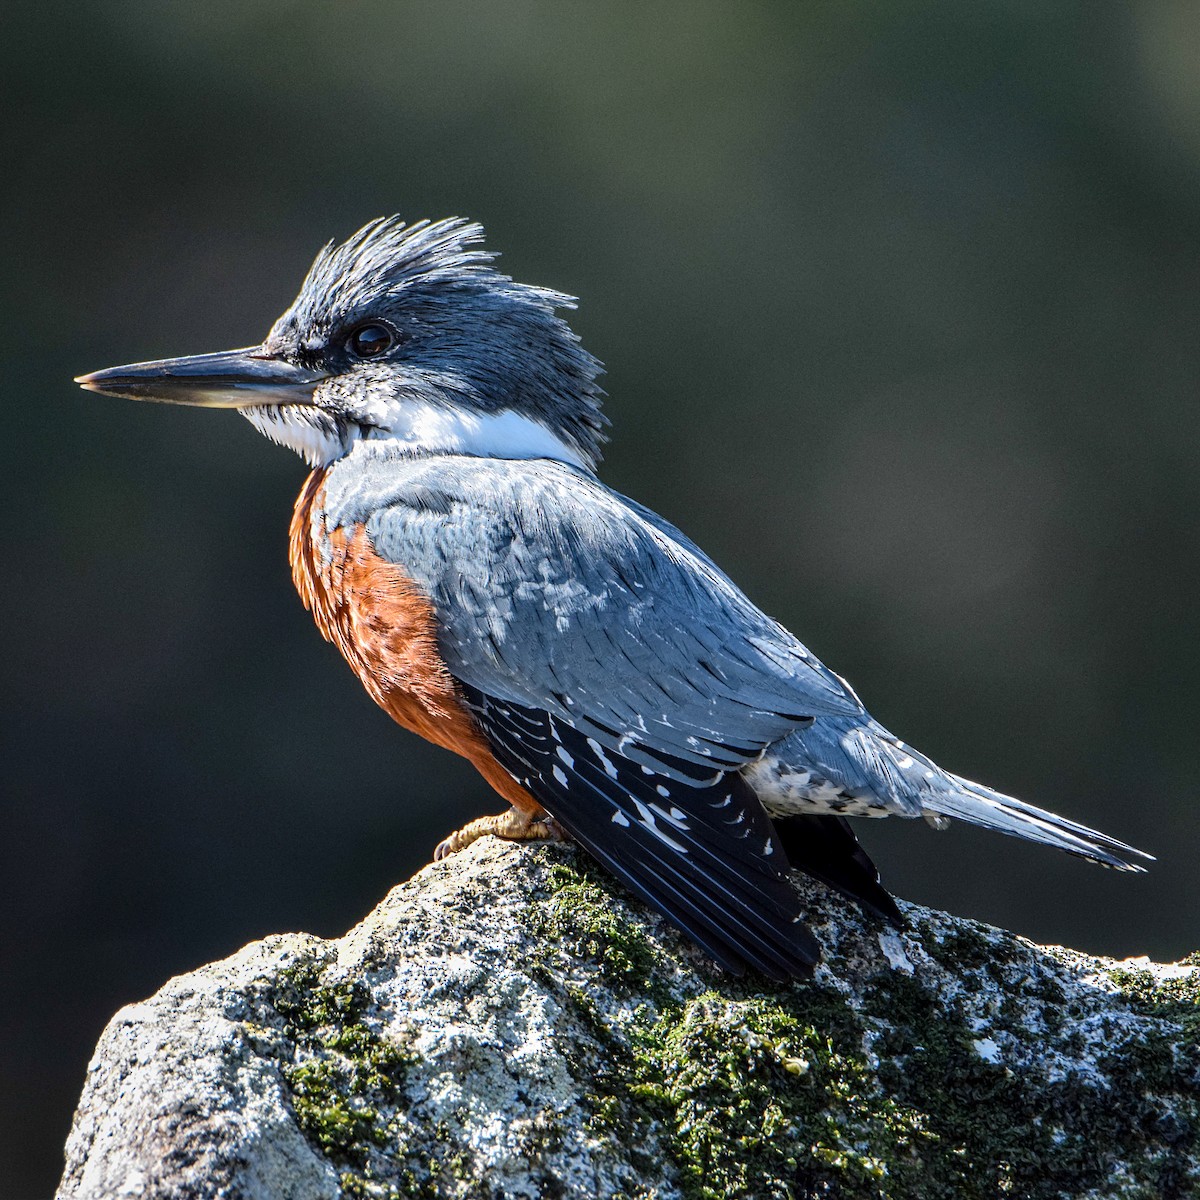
pixel 619 818
pixel 560 775
pixel 605 761
pixel 648 821
pixel 679 821
pixel 769 848
pixel 561 751
pixel 662 791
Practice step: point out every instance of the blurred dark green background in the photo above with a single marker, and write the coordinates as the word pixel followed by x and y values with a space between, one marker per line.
pixel 900 308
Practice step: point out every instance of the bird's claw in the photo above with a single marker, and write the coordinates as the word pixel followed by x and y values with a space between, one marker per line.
pixel 515 825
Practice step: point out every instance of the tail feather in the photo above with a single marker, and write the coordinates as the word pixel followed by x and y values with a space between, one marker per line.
pixel 825 848
pixel 982 806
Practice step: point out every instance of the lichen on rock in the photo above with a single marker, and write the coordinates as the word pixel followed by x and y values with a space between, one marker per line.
pixel 509 1023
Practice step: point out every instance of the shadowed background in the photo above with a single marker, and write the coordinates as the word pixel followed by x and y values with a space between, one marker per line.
pixel 899 304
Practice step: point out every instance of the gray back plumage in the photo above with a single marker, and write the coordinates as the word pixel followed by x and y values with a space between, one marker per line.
pixel 553 591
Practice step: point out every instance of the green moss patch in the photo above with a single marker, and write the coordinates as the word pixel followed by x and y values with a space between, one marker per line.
pixel 1173 998
pixel 758 1100
pixel 344 1076
pixel 580 917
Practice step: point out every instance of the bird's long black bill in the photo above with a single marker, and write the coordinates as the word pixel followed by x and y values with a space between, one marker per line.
pixel 228 379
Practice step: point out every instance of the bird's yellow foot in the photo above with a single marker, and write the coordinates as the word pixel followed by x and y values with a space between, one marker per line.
pixel 515 825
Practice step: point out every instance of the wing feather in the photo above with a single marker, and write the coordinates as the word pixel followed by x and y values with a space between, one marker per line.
pixel 707 857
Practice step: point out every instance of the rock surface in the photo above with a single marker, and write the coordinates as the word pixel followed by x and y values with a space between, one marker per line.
pixel 509 1024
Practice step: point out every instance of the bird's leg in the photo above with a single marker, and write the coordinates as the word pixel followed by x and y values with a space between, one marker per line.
pixel 515 825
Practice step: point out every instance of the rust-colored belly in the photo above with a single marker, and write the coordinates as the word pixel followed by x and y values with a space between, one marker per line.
pixel 374 613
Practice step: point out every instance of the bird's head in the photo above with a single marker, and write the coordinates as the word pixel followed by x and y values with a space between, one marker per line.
pixel 408 333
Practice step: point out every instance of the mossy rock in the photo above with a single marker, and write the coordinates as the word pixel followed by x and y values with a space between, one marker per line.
pixel 511 1024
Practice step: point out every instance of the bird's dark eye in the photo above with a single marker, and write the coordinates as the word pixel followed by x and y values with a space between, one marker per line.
pixel 370 341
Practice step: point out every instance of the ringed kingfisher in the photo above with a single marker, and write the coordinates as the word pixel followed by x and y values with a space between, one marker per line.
pixel 608 680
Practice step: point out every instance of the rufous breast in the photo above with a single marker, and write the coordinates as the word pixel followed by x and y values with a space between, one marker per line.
pixel 386 629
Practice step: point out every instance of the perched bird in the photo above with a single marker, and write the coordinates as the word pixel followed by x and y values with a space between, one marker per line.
pixel 601 672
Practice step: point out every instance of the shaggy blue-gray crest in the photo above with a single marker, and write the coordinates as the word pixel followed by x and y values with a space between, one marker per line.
pixel 608 680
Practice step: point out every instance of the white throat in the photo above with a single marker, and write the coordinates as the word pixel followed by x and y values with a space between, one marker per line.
pixel 317 437
pixel 416 426
pixel 431 428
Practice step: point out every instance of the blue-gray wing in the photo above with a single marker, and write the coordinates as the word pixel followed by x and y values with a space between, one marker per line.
pixel 555 593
